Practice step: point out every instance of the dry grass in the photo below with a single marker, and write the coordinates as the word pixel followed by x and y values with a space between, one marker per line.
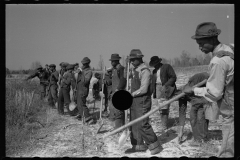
pixel 22 108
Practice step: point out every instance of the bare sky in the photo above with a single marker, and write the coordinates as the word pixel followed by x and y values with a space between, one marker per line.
pixel 69 32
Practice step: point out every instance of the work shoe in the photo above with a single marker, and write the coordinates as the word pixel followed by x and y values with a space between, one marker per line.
pixel 136 148
pixel 78 117
pixel 155 148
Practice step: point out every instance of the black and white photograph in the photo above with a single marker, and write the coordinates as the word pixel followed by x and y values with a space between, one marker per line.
pixel 119 80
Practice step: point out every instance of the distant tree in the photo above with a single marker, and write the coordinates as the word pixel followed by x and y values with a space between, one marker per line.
pixel 35 65
pixel 177 62
pixel 101 63
pixel 185 57
pixel 200 59
pixel 123 59
pixel 164 61
pixel 207 59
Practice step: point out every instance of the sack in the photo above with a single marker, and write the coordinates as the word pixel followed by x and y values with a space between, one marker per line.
pixel 211 111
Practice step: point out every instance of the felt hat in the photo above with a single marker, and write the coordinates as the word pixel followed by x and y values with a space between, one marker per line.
pixel 70 66
pixel 154 60
pixel 86 60
pixel 115 56
pixel 39 67
pixel 206 29
pixel 97 75
pixel 135 53
pixel 52 65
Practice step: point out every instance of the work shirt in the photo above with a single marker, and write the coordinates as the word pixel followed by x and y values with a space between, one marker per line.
pixel 144 77
pixel 42 75
pixel 67 80
pixel 54 77
pixel 220 72
pixel 93 81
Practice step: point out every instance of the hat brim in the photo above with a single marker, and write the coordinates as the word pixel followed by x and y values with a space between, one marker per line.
pixel 130 57
pixel 154 63
pixel 84 62
pixel 114 59
pixel 206 36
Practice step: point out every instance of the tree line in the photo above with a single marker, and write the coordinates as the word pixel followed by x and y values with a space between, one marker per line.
pixel 184 60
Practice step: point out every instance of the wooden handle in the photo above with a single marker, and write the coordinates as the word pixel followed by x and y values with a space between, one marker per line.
pixel 102 91
pixel 152 111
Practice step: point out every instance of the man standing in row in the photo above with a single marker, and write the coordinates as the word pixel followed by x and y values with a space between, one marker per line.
pixel 83 82
pixel 107 90
pixel 164 79
pixel 118 83
pixel 53 86
pixel 64 94
pixel 43 77
pixel 220 84
pixel 141 91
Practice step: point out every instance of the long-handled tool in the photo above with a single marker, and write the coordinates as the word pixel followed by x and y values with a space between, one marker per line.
pixel 152 111
pixel 101 120
pixel 126 132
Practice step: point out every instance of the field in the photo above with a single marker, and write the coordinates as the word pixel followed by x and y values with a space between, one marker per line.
pixel 35 130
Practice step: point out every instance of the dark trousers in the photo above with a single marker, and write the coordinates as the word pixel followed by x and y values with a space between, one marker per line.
pixel 81 104
pixel 43 90
pixel 182 102
pixel 198 122
pixel 64 98
pixel 106 102
pixel 142 131
pixel 116 115
pixel 52 95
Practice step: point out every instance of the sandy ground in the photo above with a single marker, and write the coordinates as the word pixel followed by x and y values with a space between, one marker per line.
pixel 64 138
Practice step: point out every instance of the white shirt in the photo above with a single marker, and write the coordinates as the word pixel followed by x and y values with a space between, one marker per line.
pixel 158 76
pixel 220 71
pixel 93 81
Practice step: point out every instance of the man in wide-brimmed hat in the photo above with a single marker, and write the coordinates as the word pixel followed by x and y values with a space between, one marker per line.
pixel 64 93
pixel 118 83
pixel 141 91
pixel 83 82
pixel 220 84
pixel 53 86
pixel 43 77
pixel 164 78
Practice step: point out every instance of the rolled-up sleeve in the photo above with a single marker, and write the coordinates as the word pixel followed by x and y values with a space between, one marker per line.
pixel 215 83
pixel 145 81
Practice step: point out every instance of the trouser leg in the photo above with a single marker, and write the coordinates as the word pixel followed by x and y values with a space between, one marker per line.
pixel 43 91
pixel 227 147
pixel 193 120
pixel 82 107
pixel 61 102
pixel 202 124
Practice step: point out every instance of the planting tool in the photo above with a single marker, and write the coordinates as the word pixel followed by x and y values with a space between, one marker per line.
pixel 151 112
pixel 101 120
pixel 125 134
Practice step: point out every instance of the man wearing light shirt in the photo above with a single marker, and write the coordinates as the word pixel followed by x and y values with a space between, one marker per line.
pixel 220 84
pixel 142 135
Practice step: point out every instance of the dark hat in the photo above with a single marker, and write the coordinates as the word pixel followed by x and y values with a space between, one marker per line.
pixel 39 67
pixel 52 65
pixel 61 64
pixel 135 53
pixel 76 64
pixel 154 60
pixel 70 66
pixel 65 64
pixel 86 60
pixel 115 56
pixel 206 29
pixel 97 75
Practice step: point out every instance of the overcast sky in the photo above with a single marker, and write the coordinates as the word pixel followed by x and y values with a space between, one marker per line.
pixel 68 33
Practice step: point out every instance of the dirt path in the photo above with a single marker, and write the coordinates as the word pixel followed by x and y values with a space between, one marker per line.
pixel 64 138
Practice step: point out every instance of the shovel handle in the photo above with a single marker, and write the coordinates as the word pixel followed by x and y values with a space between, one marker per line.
pixel 151 112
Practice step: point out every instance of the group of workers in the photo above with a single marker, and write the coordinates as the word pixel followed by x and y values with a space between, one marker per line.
pixel 217 93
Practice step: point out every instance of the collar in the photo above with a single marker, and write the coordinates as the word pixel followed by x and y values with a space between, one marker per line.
pixel 216 49
pixel 142 65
